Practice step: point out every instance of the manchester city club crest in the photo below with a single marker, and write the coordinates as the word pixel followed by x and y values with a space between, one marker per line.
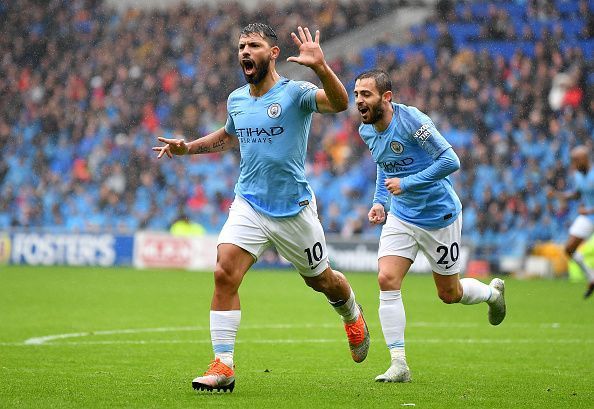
pixel 274 110
pixel 397 147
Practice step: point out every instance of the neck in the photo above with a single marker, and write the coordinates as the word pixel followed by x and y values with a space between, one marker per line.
pixel 384 122
pixel 262 87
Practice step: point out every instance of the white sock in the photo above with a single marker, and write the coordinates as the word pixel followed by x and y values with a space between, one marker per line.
pixel 579 259
pixel 348 310
pixel 223 330
pixel 393 320
pixel 474 292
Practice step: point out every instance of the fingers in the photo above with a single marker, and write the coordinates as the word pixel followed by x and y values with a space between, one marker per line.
pixel 377 219
pixel 375 216
pixel 175 144
pixel 305 36
pixel 167 140
pixel 296 40
pixel 302 34
pixel 308 34
pixel 162 151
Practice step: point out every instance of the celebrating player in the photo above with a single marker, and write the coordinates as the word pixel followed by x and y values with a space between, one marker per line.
pixel 269 119
pixel 583 226
pixel 413 163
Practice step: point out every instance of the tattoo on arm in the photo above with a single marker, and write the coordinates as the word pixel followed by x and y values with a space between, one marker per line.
pixel 202 149
pixel 219 144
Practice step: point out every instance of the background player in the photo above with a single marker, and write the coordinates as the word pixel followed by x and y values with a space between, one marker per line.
pixel 413 163
pixel 269 119
pixel 583 226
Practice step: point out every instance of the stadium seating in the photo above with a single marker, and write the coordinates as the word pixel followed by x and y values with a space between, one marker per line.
pixel 86 91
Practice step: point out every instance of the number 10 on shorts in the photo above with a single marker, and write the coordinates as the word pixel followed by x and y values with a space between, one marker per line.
pixel 314 254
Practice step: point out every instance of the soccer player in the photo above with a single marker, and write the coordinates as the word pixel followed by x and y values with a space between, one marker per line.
pixel 583 226
pixel 413 163
pixel 269 119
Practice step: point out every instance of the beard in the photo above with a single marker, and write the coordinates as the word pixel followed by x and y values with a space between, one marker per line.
pixel 376 112
pixel 260 71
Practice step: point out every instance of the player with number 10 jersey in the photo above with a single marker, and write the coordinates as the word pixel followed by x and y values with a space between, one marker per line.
pixel 269 119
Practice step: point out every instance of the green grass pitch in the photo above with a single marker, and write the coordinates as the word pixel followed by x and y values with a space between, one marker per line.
pixel 105 338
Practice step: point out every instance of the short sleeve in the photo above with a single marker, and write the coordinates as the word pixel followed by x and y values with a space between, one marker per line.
pixel 230 125
pixel 306 95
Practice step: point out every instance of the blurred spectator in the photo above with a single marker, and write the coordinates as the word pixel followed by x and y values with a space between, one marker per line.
pixel 183 226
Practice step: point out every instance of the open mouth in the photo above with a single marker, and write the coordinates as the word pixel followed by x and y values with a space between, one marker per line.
pixel 363 110
pixel 249 67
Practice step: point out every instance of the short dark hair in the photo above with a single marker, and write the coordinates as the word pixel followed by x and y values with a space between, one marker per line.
pixel 383 82
pixel 263 30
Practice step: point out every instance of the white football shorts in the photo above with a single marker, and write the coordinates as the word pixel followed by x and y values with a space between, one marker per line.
pixel 300 238
pixel 582 227
pixel 441 246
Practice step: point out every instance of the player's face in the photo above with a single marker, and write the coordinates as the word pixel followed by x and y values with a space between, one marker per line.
pixel 369 101
pixel 255 55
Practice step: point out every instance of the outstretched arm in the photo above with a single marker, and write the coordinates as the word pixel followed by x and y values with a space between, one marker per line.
pixel 333 97
pixel 218 141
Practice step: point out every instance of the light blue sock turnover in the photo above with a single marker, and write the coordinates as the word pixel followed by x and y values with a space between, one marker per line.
pixel 393 321
pixel 223 330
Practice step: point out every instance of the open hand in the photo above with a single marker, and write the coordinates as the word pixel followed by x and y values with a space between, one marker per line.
pixel 172 147
pixel 310 52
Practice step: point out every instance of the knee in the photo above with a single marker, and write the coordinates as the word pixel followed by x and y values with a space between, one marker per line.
pixel 388 281
pixel 225 278
pixel 449 295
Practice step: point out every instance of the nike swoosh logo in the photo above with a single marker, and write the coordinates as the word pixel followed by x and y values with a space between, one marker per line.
pixel 314 267
pixel 446 267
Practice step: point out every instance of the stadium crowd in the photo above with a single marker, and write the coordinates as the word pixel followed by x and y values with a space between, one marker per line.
pixel 85 91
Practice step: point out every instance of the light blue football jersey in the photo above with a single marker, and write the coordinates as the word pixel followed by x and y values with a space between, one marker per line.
pixel 272 132
pixel 584 184
pixel 409 145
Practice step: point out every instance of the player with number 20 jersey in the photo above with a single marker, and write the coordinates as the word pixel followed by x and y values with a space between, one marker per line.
pixel 413 163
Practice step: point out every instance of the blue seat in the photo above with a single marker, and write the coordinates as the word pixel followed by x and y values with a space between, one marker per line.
pixel 567 7
pixel 428 51
pixel 432 31
pixel 587 47
pixel 479 10
pixel 572 28
pixel 369 56
pixel 464 31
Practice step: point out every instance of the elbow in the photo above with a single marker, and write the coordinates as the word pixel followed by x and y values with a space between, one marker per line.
pixel 456 163
pixel 452 160
pixel 341 104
